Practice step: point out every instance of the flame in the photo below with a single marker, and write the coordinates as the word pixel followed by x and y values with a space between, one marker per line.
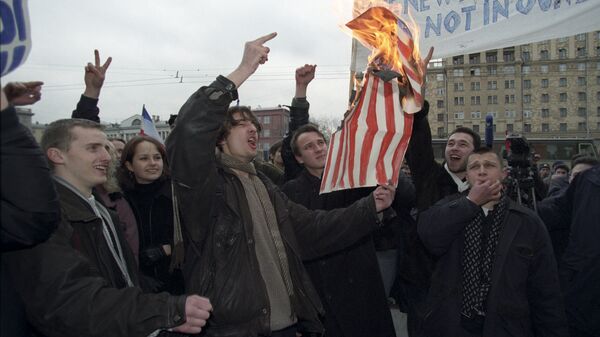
pixel 376 28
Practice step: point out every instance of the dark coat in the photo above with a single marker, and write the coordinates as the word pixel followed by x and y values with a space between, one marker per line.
pixel 71 285
pixel 220 260
pixel 30 209
pixel 578 206
pixel 524 297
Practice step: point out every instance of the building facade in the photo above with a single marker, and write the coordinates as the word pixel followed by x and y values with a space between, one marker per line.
pixel 274 122
pixel 547 89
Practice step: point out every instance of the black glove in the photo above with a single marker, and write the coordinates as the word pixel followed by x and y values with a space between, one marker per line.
pixel 150 256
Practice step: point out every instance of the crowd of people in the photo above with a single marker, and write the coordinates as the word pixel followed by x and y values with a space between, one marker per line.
pixel 106 237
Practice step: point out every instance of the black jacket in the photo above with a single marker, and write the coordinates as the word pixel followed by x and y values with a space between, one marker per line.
pixel 220 260
pixel 524 297
pixel 71 285
pixel 30 209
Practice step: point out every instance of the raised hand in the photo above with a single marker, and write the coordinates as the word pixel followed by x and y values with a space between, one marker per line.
pixel 483 192
pixel 255 54
pixel 384 196
pixel 23 93
pixel 95 75
pixel 197 312
pixel 304 75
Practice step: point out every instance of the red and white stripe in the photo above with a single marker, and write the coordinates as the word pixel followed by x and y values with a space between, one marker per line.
pixel 412 103
pixel 370 147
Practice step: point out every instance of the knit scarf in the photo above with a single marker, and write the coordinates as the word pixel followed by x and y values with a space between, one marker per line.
pixel 267 205
pixel 478 258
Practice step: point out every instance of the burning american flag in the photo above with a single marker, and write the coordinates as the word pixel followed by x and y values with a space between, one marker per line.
pixel 370 147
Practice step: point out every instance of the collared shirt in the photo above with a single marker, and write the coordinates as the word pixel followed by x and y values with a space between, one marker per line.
pixel 462 185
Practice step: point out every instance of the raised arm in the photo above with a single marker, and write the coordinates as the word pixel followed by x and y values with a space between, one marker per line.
pixel 298 117
pixel 87 107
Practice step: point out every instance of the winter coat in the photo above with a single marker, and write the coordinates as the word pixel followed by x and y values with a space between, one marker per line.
pixel 524 298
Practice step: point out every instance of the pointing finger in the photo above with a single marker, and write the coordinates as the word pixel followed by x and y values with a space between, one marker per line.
pixel 266 38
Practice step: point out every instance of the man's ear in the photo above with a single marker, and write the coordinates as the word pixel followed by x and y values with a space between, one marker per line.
pixel 55 155
pixel 299 159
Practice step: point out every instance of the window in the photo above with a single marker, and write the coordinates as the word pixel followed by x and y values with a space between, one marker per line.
pixel 526 69
pixel 476 128
pixel 598 80
pixel 580 37
pixel 545 127
pixel 527 114
pixel 526 98
pixel 581 96
pixel 267 120
pixel 545 98
pixel 266 133
pixel 509 127
pixel 598 96
pixel 456 60
pixel 266 146
pixel 581 66
pixel 545 83
pixel 563 39
pixel 581 81
pixel 492 99
pixel 581 126
pixel 491 57
pixel 544 55
pixel 509 55
pixel 459 100
pixel 136 122
pixel 475 86
pixel 474 59
pixel 562 67
pixel 509 69
pixel 526 56
pixel 527 84
pixel 563 127
pixel 562 82
pixel 509 84
pixel 509 98
pixel 510 114
pixel 492 70
pixel 562 53
pixel 581 112
pixel 581 52
pixel 475 71
pixel 544 68
pixel 459 86
pixel 598 112
pixel 475 100
pixel 440 117
pixel 545 113
pixel 440 91
pixel 476 115
pixel 439 77
pixel 440 132
pixel 440 103
pixel 492 85
pixel 458 72
pixel 563 112
pixel 562 97
pixel 493 114
pixel 526 127
pixel 459 115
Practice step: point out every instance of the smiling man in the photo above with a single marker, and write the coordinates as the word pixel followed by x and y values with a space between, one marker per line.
pixel 495 274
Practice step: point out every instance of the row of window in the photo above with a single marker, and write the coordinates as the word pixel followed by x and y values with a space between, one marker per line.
pixel 510 84
pixel 510 99
pixel 545 127
pixel 264 119
pixel 544 113
pixel 526 69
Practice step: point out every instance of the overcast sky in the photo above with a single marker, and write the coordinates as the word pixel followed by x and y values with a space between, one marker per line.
pixel 150 41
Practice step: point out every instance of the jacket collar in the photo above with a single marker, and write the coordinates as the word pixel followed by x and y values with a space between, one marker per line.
pixel 74 208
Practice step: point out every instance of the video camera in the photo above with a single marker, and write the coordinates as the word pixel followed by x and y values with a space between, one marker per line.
pixel 520 180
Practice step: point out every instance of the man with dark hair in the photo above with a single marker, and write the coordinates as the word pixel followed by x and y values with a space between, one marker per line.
pixel 496 274
pixel 275 155
pixel 245 239
pixel 83 281
pixel 172 121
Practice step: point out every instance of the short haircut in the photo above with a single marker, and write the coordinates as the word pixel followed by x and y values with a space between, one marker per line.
pixel 125 177
pixel 562 166
pixel 230 122
pixel 585 160
pixel 470 132
pixel 118 140
pixel 274 148
pixel 484 150
pixel 310 127
pixel 58 133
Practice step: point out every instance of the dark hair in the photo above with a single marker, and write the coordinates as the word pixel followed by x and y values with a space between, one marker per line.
pixel 584 160
pixel 470 132
pixel 172 120
pixel 58 133
pixel 274 148
pixel 126 177
pixel 117 140
pixel 230 122
pixel 303 129
pixel 484 150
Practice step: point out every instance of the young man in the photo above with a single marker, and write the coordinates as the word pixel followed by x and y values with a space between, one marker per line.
pixel 496 274
pixel 245 239
pixel 352 270
pixel 83 280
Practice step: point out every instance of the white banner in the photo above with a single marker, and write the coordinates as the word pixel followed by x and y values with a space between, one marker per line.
pixel 457 27
pixel 15 34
